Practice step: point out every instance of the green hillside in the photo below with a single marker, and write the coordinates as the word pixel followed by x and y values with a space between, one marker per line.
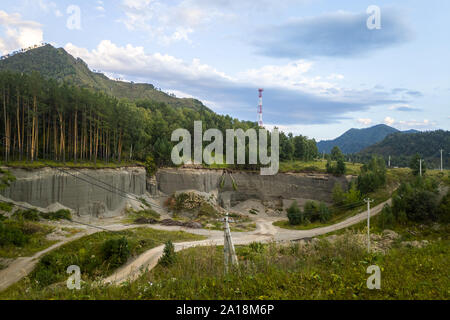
pixel 354 140
pixel 402 146
pixel 57 64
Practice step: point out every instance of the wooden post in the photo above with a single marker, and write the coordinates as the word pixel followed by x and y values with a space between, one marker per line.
pixel 228 246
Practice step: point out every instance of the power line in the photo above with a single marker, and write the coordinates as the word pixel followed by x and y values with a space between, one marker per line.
pixel 94 184
pixel 86 224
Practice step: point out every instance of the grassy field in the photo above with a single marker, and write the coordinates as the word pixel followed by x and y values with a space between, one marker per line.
pixel 36 234
pixel 37 164
pixel 273 271
pixel 86 252
pixel 318 166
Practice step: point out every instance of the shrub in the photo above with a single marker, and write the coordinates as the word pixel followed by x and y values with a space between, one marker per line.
pixel 311 210
pixel 372 176
pixel 150 166
pixel 337 169
pixel 116 251
pixel 169 256
pixel 6 206
pixel 418 201
pixel 338 194
pixel 58 215
pixel 11 233
pixel 295 214
pixel 31 215
pixel 6 178
pixel 147 213
pixel 257 247
pixel 207 210
pixel 314 211
pixel 324 213
pixel 386 218
pixel 353 195
pixel 443 211
pixel 340 167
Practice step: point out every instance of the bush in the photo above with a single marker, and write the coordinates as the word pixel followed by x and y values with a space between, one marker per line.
pixel 372 176
pixel 6 206
pixel 338 194
pixel 311 210
pixel 314 211
pixel 353 195
pixel 169 256
pixel 418 201
pixel 58 215
pixel 295 214
pixel 443 211
pixel 386 219
pixel 116 251
pixel 150 166
pixel 11 233
pixel 324 213
pixel 31 215
pixel 337 169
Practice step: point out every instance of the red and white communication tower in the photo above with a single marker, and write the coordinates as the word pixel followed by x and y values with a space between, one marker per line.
pixel 260 120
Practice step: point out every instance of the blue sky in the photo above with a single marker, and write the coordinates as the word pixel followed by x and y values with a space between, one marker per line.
pixel 323 71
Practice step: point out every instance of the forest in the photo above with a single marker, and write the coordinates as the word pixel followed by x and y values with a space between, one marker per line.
pixel 46 119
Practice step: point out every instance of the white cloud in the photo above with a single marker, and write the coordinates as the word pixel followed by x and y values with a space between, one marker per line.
pixel 170 21
pixel 166 22
pixel 49 6
pixel 18 33
pixel 130 60
pixel 389 121
pixel 417 124
pixel 364 121
pixel 292 93
pixel 403 107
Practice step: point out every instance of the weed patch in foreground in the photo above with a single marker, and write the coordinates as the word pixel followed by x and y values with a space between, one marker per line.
pixel 322 270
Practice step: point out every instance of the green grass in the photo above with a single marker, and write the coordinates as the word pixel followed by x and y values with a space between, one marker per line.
pixel 318 166
pixel 86 252
pixel 132 215
pixel 6 206
pixel 37 164
pixel 36 234
pixel 408 232
pixel 274 271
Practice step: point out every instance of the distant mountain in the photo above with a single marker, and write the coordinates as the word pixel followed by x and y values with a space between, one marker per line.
pixel 402 146
pixel 57 64
pixel 426 144
pixel 354 140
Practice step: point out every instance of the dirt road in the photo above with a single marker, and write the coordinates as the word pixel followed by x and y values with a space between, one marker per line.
pixel 265 232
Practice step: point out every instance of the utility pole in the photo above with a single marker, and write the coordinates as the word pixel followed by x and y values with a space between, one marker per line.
pixel 368 222
pixel 420 166
pixel 442 167
pixel 228 246
pixel 389 162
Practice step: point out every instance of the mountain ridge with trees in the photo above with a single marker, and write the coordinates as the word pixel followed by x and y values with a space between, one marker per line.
pixel 355 140
pixel 57 64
